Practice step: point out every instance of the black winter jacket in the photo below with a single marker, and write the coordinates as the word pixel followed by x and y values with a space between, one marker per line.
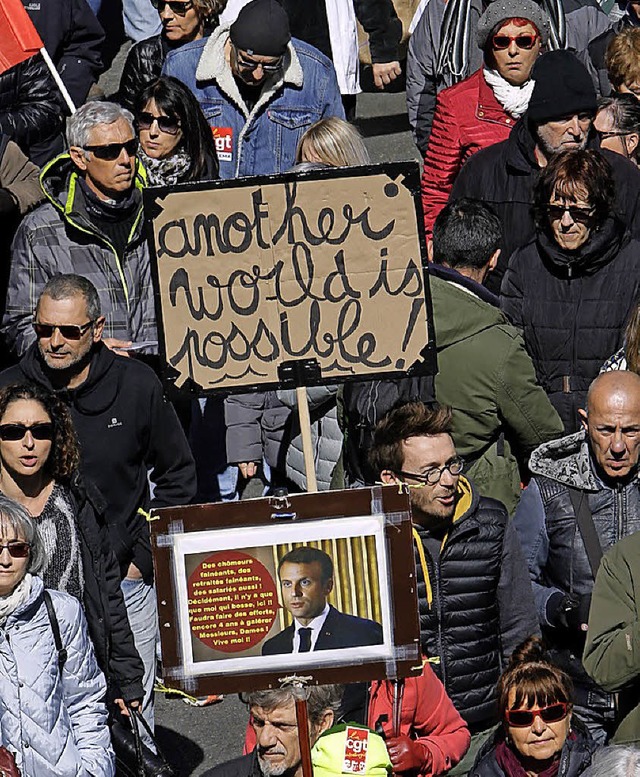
pixel 125 427
pixel 30 109
pixel 572 308
pixel 245 766
pixel 552 542
pixel 575 756
pixel 481 604
pixel 103 601
pixel 504 176
pixel 143 65
pixel 73 37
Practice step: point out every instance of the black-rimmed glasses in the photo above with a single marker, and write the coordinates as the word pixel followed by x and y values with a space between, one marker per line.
pixel 111 151
pixel 167 124
pixel 578 214
pixel 178 8
pixel 68 331
pixel 432 476
pixel 16 432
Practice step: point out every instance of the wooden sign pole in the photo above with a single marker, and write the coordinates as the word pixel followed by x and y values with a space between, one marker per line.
pixel 303 737
pixel 307 445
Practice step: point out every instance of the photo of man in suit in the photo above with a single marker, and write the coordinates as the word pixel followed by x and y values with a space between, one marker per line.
pixel 306 580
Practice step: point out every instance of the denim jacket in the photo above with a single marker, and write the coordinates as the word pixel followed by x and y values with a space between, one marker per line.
pixel 262 140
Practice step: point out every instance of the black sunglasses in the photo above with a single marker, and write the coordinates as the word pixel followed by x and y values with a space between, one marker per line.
pixel 250 64
pixel 15 432
pixel 579 215
pixel 17 548
pixel 177 8
pixel 68 331
pixel 551 714
pixel 112 151
pixel 524 41
pixel 165 123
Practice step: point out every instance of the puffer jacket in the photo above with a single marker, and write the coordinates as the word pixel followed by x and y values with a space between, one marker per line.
pixel 575 756
pixel 468 117
pixel 486 375
pixel 55 722
pixel 58 237
pixel 262 140
pixel 584 21
pixel 613 627
pixel 30 109
pixel 572 307
pixel 474 602
pixel 504 176
pixel 142 66
pixel 551 541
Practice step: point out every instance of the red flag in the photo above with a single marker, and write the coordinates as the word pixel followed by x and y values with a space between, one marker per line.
pixel 18 37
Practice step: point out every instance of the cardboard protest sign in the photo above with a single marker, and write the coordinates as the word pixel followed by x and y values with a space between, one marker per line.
pixel 236 594
pixel 291 280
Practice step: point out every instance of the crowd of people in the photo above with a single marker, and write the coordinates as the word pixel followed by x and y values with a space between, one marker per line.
pixel 520 456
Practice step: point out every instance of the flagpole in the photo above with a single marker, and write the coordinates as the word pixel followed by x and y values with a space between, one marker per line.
pixel 58 80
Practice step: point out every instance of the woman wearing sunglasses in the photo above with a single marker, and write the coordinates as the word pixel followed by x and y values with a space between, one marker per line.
pixel 176 143
pixel 39 458
pixel 53 718
pixel 482 109
pixel 539 736
pixel 571 290
pixel 182 22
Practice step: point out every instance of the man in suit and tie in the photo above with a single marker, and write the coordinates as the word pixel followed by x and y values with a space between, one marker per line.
pixel 306 580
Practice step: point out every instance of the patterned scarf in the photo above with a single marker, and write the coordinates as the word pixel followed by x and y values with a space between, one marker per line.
pixel 15 599
pixel 165 172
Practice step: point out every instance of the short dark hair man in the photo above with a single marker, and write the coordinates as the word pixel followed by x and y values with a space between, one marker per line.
pixel 474 595
pixel 306 580
pixel 259 88
pixel 126 429
pixel 559 117
pixel 484 371
pixel 587 481
pixel 273 718
pixel 92 226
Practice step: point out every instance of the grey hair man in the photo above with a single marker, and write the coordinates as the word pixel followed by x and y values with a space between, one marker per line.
pixel 273 719
pixel 91 225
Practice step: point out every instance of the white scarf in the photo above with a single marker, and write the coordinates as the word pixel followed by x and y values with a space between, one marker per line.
pixel 514 99
pixel 15 599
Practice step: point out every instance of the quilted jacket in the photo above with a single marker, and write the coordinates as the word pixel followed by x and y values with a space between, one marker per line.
pixel 58 237
pixel 468 117
pixel 55 723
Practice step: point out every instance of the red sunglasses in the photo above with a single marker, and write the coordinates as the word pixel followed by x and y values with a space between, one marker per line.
pixel 523 41
pixel 551 714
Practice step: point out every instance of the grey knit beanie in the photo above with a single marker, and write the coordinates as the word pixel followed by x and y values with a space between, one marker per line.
pixel 501 10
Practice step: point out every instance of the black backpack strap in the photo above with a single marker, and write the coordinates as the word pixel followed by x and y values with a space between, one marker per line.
pixel 584 519
pixel 53 619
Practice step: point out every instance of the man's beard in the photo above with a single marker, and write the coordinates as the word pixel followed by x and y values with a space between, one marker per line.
pixel 276 770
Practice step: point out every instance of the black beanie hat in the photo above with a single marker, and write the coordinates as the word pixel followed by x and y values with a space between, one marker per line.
pixel 262 28
pixel 563 87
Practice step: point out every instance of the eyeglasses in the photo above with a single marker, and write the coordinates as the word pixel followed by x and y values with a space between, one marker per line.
pixel 165 123
pixel 112 151
pixel 432 476
pixel 524 41
pixel 16 548
pixel 579 215
pixel 68 331
pixel 250 64
pixel 605 135
pixel 551 714
pixel 178 8
pixel 15 432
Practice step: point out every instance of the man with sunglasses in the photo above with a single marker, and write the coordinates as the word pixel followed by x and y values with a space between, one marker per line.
pixel 259 88
pixel 583 497
pixel 126 430
pixel 91 225
pixel 474 595
pixel 559 117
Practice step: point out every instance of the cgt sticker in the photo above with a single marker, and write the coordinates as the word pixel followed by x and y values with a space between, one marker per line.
pixel 355 750
pixel 223 138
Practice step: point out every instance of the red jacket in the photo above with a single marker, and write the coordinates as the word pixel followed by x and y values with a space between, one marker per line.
pixel 427 715
pixel 468 118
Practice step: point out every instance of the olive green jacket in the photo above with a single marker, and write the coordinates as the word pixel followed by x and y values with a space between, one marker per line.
pixel 612 650
pixel 488 378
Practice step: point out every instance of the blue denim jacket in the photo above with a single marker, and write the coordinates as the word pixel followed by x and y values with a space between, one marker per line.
pixel 264 139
